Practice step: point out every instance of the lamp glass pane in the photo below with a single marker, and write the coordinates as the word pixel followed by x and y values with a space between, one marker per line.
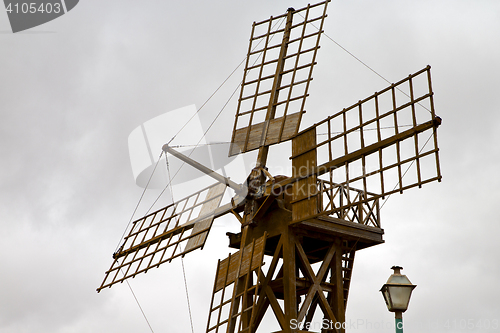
pixel 387 298
pixel 400 297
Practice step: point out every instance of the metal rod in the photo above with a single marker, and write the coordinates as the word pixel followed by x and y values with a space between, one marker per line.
pixel 399 322
pixel 237 187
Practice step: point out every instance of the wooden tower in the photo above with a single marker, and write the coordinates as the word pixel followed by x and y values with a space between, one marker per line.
pixel 308 224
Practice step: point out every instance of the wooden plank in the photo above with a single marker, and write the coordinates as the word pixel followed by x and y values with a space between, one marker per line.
pixel 234 264
pixel 254 139
pixel 304 202
pixel 258 253
pixel 252 255
pixel 201 230
pixel 246 260
pixel 227 271
pixel 330 226
pixel 212 202
pixel 221 274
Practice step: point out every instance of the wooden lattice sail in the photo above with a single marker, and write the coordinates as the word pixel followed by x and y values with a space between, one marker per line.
pixel 278 72
pixel 168 233
pixel 231 307
pixel 374 148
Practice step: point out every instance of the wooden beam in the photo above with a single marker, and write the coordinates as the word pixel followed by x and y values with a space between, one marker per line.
pixel 326 167
pixel 273 99
pixel 289 278
pixel 337 299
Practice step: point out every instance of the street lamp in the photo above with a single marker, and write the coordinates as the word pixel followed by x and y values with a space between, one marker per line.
pixel 397 292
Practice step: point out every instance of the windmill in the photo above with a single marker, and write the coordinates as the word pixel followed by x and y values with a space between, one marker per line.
pixel 308 224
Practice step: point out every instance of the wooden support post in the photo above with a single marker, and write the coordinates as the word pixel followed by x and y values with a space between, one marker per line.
pixel 289 280
pixel 266 296
pixel 337 299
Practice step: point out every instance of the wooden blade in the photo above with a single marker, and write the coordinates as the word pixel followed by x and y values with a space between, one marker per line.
pixel 278 71
pixel 234 294
pixel 383 144
pixel 170 232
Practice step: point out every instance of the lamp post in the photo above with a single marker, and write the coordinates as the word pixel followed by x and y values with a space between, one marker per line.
pixel 397 292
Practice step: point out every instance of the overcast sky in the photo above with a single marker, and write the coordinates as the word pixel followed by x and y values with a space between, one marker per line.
pixel 72 90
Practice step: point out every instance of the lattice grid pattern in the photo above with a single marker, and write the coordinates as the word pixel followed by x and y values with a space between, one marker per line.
pixel 349 204
pixel 278 71
pixel 236 289
pixel 384 144
pixel 170 232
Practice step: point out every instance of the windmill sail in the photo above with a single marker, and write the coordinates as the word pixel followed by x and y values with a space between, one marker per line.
pixel 170 232
pixel 384 144
pixel 235 291
pixel 278 71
